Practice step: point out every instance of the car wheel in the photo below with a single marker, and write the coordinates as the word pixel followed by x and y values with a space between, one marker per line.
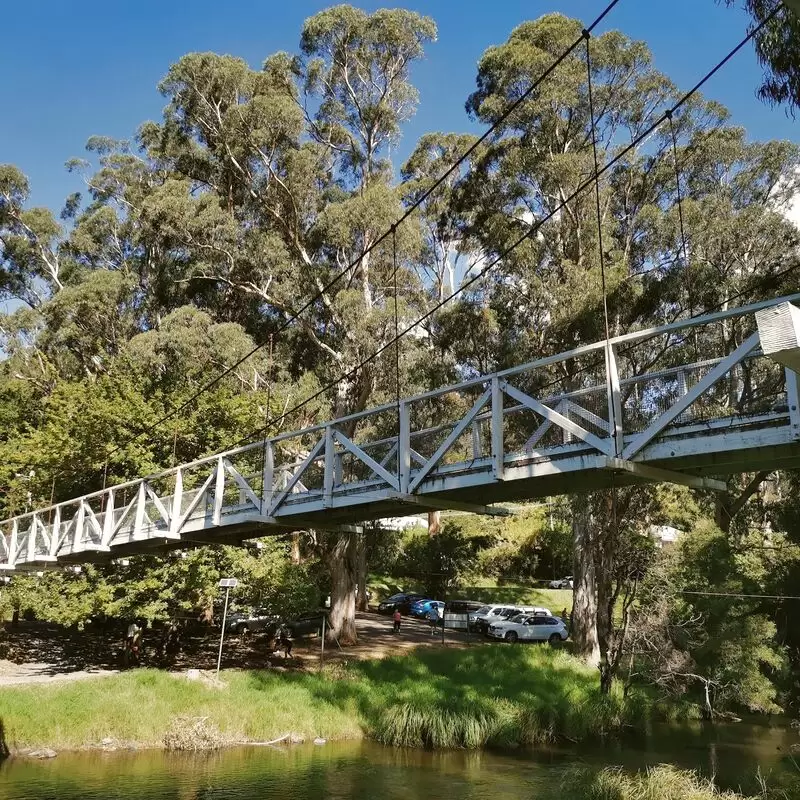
pixel 554 639
pixel 511 637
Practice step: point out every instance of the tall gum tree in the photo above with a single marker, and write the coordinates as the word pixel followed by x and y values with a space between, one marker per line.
pixel 262 187
pixel 734 196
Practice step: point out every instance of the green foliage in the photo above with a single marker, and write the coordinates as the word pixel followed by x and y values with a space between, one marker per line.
pixel 704 620
pixel 663 782
pixel 532 544
pixel 776 47
pixel 439 562
pixel 447 698
pixel 184 583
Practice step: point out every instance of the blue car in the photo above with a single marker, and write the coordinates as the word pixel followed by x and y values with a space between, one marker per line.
pixel 422 607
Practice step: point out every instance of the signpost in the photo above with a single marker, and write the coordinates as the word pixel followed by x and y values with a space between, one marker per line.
pixel 227 584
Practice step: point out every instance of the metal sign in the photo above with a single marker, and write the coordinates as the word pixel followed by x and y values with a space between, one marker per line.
pixel 228 583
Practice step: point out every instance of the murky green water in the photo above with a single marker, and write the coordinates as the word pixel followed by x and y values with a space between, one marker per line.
pixel 733 753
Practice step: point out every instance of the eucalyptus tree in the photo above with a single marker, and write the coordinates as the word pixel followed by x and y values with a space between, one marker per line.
pixel 727 242
pixel 30 239
pixel 777 48
pixel 264 196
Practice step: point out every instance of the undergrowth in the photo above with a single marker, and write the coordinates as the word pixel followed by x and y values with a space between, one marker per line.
pixel 482 696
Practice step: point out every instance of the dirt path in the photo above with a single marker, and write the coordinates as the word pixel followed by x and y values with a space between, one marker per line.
pixel 37 672
pixel 41 653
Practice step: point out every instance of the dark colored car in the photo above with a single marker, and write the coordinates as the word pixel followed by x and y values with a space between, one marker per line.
pixel 401 601
pixel 257 621
pixel 307 624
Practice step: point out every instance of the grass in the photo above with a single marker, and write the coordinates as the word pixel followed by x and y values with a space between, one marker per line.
pixel 487 591
pixel 659 783
pixel 140 706
pixel 475 697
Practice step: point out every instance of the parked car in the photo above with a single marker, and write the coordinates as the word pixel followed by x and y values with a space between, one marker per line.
pixel 561 583
pixel 257 620
pixel 401 601
pixel 421 608
pixel 485 615
pixel 527 611
pixel 530 629
pixel 306 624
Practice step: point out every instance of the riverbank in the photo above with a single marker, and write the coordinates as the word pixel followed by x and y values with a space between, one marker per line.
pixel 464 697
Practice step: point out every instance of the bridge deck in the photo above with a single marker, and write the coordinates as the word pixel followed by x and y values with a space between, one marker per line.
pixel 605 414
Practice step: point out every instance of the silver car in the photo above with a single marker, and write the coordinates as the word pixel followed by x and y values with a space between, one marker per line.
pixel 530 629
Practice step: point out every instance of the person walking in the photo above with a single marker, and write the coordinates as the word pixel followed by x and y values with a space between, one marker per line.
pixel 284 640
pixel 433 618
pixel 132 642
pixel 397 618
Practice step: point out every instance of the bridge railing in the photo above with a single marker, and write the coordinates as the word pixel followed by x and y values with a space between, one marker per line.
pixel 609 398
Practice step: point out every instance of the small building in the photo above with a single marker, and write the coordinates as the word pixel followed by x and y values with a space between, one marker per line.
pixel 664 535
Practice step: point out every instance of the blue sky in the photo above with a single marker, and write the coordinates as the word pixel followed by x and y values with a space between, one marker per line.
pixel 74 69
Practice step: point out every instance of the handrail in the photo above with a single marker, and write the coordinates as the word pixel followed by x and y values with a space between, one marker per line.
pixel 473 382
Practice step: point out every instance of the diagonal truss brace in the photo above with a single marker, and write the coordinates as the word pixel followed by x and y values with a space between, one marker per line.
pixel 553 416
pixel 448 442
pixel 702 386
pixel 376 468
pixel 306 463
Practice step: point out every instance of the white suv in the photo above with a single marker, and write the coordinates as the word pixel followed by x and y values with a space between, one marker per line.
pixel 485 616
pixel 532 628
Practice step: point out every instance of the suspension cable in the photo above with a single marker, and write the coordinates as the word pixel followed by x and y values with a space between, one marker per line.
pixel 396 327
pixel 608 544
pixel 587 36
pixel 546 218
pixel 684 247
pixel 494 127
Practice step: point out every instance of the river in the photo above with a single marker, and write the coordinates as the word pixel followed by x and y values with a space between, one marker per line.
pixel 734 753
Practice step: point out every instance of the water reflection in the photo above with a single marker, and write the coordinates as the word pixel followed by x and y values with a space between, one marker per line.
pixel 733 753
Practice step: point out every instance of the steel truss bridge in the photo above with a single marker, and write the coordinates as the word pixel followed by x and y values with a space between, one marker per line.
pixel 687 402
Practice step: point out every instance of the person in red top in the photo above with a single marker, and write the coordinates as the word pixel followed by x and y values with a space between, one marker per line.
pixel 397 618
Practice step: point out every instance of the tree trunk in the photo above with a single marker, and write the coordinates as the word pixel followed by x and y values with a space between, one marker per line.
pixel 344 569
pixel 362 604
pixel 296 548
pixel 708 709
pixel 726 507
pixel 584 592
pixel 434 522
pixel 207 614
pixel 722 514
pixel 604 550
